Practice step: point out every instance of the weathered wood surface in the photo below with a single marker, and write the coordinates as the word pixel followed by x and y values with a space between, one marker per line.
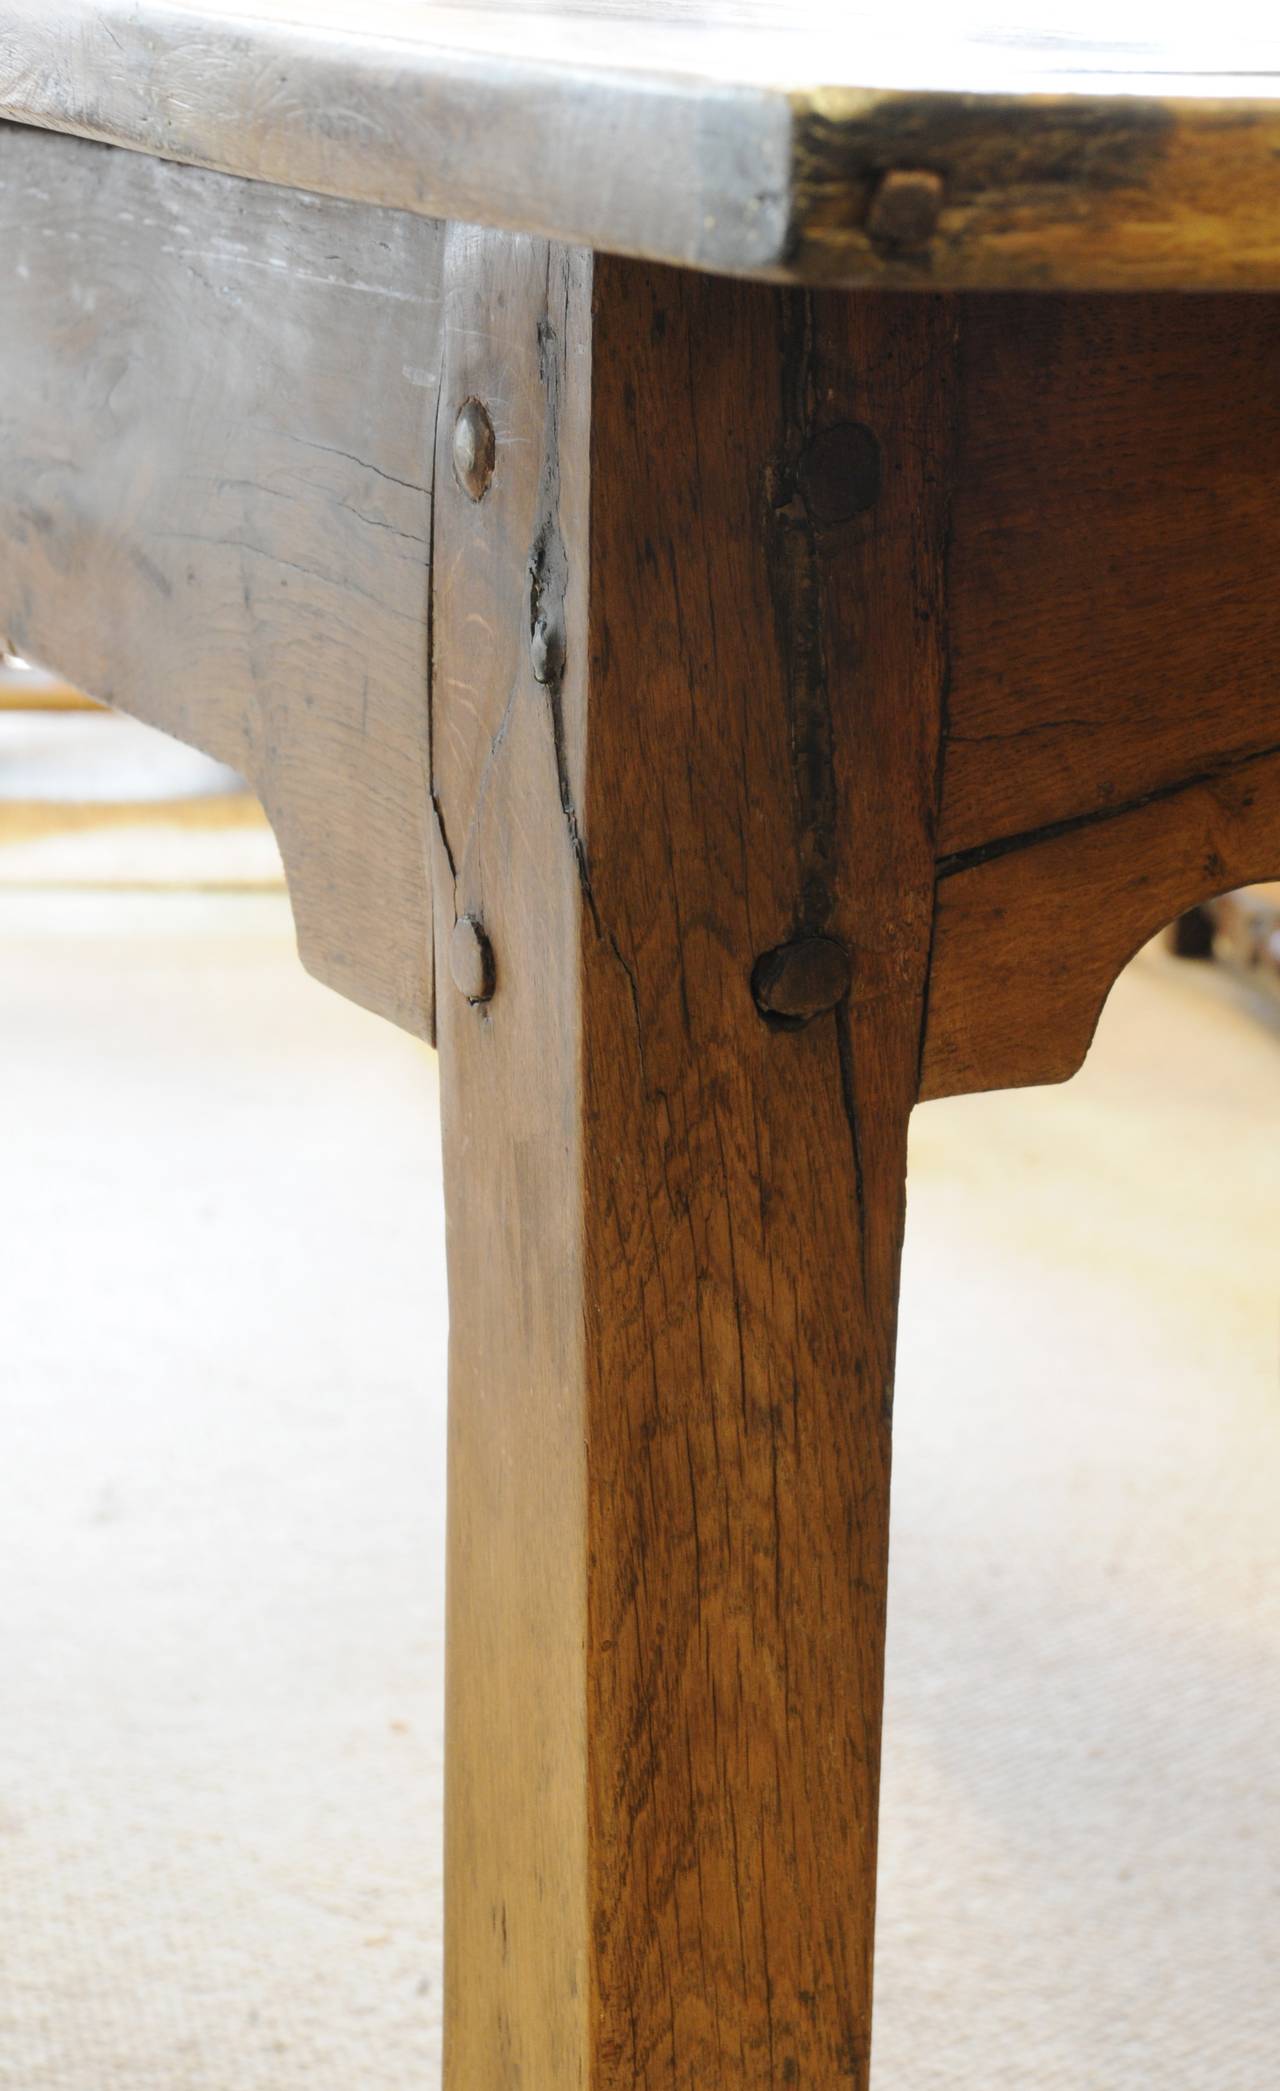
pixel 217 403
pixel 674 1294
pixel 517 1952
pixel 1113 730
pixel 730 134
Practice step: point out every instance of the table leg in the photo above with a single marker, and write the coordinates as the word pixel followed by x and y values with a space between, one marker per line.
pixel 686 693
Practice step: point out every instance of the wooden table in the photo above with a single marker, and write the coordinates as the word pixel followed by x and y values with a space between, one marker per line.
pixel 738 628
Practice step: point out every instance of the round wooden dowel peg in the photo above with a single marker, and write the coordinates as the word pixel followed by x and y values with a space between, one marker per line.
pixel 474 449
pixel 795 982
pixel 903 213
pixel 547 647
pixel 471 960
pixel 839 473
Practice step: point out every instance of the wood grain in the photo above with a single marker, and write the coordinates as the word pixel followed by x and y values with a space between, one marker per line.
pixel 1028 945
pixel 672 1359
pixel 517 1935
pixel 1043 191
pixel 818 702
pixel 1113 727
pixel 216 429
pixel 1114 624
pixel 723 134
pixel 780 762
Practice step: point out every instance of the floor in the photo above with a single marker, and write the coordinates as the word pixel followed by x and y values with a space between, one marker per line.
pixel 221 1398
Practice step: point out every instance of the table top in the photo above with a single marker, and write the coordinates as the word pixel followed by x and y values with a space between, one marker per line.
pixel 1075 145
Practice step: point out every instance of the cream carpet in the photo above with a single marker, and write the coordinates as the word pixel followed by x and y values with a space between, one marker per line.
pixel 221 1406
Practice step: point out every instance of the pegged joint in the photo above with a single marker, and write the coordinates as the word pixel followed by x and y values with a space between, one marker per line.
pixel 793 983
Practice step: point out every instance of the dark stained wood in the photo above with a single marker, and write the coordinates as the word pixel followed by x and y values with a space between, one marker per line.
pixel 1039 190
pixel 808 139
pixel 1028 945
pixel 1113 731
pixel 678 723
pixel 1114 620
pixel 743 1249
pixel 216 429
pixel 801 980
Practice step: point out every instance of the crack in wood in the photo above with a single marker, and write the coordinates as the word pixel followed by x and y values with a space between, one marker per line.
pixel 1052 831
pixel 437 809
pixel 549 567
pixel 945 733
pixel 849 1105
pixel 437 814
pixel 797 588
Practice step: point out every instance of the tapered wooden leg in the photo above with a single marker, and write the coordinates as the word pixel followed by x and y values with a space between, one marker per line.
pixel 688 674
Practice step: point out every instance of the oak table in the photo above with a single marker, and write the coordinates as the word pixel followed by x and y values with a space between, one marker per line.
pixel 738 627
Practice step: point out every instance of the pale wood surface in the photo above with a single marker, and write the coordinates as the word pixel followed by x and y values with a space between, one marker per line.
pixel 1104 148
pixel 518 1992
pixel 1127 48
pixel 787 44
pixel 216 430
